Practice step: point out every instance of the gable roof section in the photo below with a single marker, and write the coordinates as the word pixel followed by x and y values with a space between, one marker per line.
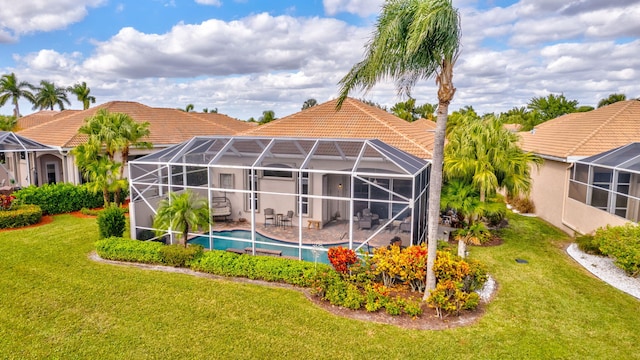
pixel 355 120
pixel 167 126
pixel 585 134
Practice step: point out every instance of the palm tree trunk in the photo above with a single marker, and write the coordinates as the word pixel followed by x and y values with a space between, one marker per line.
pixel 445 94
pixel 185 235
pixel 462 248
pixel 105 195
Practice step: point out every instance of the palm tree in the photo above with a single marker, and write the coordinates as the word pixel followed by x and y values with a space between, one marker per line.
pixel 102 130
pixel 485 154
pixel 48 95
pixel 405 110
pixel 613 98
pixel 415 40
pixel 101 171
pixel 182 212
pixel 188 108
pixel 8 123
pixel 129 134
pixel 82 92
pixel 11 88
pixel 309 103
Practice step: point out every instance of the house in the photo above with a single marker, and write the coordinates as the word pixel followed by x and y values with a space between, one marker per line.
pixel 565 192
pixel 59 130
pixel 360 170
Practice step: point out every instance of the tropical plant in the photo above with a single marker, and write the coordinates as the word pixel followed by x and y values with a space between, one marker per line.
pixel 309 103
pixel 552 106
pixel 267 116
pixel 414 40
pixel 181 212
pixel 102 174
pixel 14 90
pixel 48 95
pixel 82 92
pixel 188 108
pixel 474 234
pixel 405 110
pixel 8 123
pixel 613 98
pixel 485 154
pixel 212 110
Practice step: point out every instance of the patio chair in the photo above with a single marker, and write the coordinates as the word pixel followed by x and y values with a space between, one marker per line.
pixel 375 218
pixel 365 222
pixel 269 215
pixel 288 219
pixel 405 225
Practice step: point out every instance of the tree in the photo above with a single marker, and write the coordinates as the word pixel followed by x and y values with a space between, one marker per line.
pixel 267 116
pixel 309 103
pixel 427 111
pixel 520 115
pixel 8 123
pixel 188 108
pixel 130 134
pixel 182 212
pixel 414 40
pixel 101 171
pixel 48 95
pixel 613 98
pixel 212 111
pixel 552 106
pixel 81 91
pixel 485 154
pixel 12 89
pixel 405 110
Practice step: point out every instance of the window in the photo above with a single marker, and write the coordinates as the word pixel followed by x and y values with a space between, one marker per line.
pixel 304 180
pixel 280 174
pixel 251 180
pixel 226 181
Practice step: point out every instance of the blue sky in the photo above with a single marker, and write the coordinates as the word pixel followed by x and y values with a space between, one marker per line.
pixel 247 56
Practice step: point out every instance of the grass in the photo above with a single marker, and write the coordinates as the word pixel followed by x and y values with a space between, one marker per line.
pixel 57 303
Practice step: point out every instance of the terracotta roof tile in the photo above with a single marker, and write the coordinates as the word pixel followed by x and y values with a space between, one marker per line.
pixel 167 126
pixel 354 120
pixel 588 133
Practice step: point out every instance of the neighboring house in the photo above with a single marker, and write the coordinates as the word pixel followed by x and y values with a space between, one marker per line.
pixel 580 205
pixel 59 129
pixel 360 169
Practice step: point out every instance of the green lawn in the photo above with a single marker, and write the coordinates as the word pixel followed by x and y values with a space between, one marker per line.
pixel 56 303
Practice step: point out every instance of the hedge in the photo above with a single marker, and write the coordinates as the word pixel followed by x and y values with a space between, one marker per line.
pixel 623 244
pixel 19 216
pixel 61 197
pixel 294 272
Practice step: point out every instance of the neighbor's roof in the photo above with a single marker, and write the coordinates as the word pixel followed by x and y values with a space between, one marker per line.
pixel 585 134
pixel 355 120
pixel 167 126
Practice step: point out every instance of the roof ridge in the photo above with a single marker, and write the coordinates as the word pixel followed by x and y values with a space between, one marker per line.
pixel 402 134
pixel 197 116
pixel 54 119
pixel 597 129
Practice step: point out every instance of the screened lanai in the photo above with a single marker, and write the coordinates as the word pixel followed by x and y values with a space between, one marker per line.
pixel 294 196
pixel 609 181
pixel 17 158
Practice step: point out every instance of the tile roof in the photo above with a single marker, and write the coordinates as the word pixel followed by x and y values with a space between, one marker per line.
pixel 354 120
pixel 588 133
pixel 167 126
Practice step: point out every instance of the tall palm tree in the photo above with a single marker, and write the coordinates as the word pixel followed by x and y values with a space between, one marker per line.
pixel 182 212
pixel 11 88
pixel 130 134
pixel 82 92
pixel 102 130
pixel 613 98
pixel 415 40
pixel 48 95
pixel 101 171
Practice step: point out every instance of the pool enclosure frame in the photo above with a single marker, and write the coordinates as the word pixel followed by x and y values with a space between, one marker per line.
pixel 321 180
pixel 20 148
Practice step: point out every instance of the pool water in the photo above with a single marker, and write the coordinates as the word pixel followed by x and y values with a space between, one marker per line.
pixel 240 239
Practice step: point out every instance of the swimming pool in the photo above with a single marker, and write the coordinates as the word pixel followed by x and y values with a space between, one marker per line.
pixel 239 239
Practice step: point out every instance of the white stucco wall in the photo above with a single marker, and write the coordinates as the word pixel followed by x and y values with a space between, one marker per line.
pixel 586 219
pixel 549 192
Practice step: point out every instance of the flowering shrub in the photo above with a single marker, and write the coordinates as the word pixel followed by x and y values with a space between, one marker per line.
pixel 388 263
pixel 6 201
pixel 342 258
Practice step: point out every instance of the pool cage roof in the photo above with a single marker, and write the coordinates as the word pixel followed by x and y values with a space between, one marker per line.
pixel 625 158
pixel 258 152
pixel 12 142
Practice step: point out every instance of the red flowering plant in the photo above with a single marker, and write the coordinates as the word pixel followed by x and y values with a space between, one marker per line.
pixel 6 201
pixel 342 258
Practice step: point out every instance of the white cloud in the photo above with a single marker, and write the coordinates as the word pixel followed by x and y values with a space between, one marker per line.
pixel 27 16
pixel 362 8
pixel 210 2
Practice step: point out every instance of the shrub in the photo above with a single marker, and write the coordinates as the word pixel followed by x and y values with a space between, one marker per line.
pixel 19 216
pixel 59 198
pixel 587 244
pixel 6 201
pixel 375 296
pixel 623 244
pixel 353 298
pixel 117 248
pixel 522 204
pixel 111 222
pixel 394 306
pixel 449 298
pixel 342 258
pixel 179 256
pixel 413 308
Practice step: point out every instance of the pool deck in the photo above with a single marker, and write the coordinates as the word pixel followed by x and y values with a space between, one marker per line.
pixel 334 232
